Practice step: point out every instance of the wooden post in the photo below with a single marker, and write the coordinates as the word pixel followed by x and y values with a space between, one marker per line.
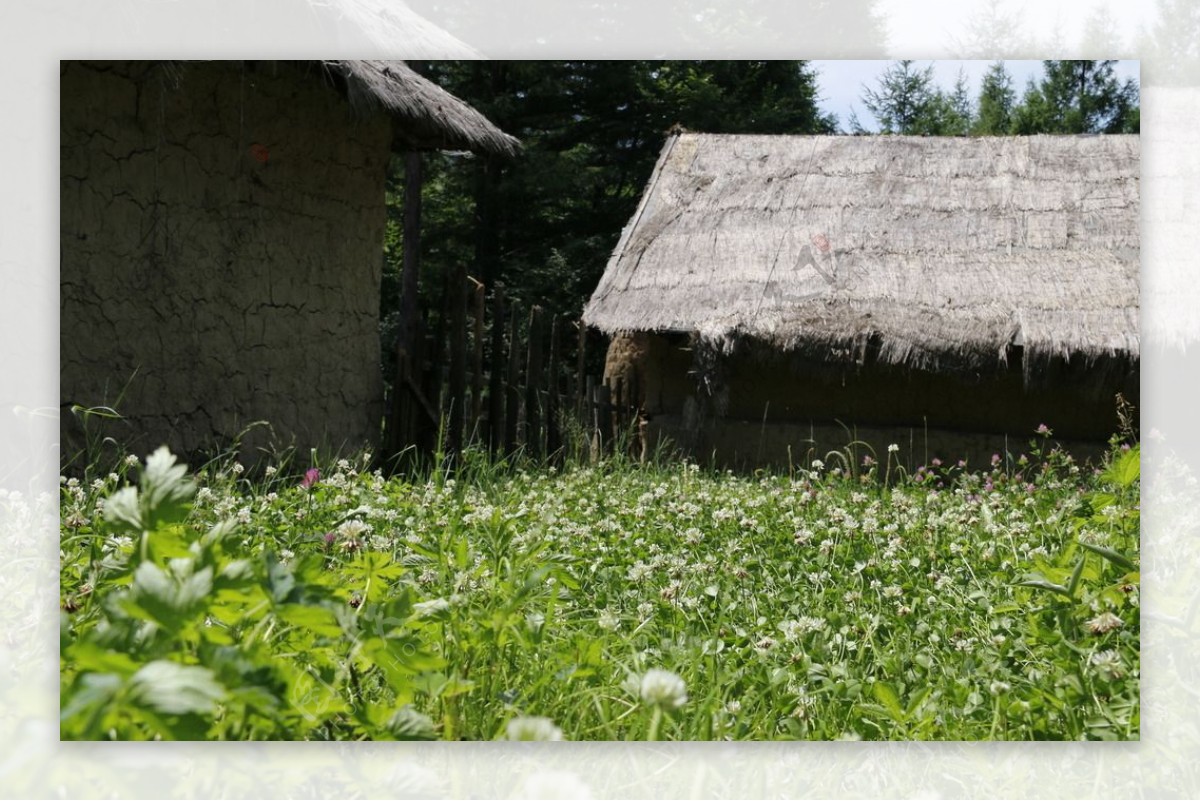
pixel 619 409
pixel 496 379
pixel 635 416
pixel 588 414
pixel 410 266
pixel 533 385
pixel 553 438
pixel 397 434
pixel 477 296
pixel 458 360
pixel 513 392
pixel 422 414
pixel 581 396
pixel 603 408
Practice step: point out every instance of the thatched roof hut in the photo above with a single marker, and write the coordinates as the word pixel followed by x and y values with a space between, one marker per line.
pixel 947 249
pixel 222 229
pixel 936 254
pixel 431 118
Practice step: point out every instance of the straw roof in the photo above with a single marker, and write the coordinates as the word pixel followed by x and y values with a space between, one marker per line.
pixel 433 119
pixel 932 252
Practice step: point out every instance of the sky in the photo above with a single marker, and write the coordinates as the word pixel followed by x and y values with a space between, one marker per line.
pixel 841 82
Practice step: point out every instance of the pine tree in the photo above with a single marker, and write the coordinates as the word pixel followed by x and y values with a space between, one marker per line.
pixel 1085 97
pixel 903 103
pixel 908 102
pixel 996 100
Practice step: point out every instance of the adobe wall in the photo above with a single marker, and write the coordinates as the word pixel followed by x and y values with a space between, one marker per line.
pixel 742 444
pixel 221 230
pixel 780 409
pixel 658 365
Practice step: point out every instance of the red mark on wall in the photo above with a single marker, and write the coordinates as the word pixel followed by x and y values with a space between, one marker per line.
pixel 821 241
pixel 260 153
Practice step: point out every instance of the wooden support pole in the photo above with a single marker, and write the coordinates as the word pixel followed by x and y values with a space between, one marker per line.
pixel 495 431
pixel 513 391
pixel 581 390
pixel 534 374
pixel 553 438
pixel 458 360
pixel 588 414
pixel 477 305
pixel 410 268
pixel 603 423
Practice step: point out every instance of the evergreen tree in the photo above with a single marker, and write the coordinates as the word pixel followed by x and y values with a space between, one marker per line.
pixel 903 101
pixel 1034 114
pixel 908 102
pixel 996 100
pixel 1085 97
pixel 961 116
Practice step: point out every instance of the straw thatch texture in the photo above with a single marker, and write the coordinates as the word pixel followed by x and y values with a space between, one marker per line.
pixel 433 118
pixel 936 253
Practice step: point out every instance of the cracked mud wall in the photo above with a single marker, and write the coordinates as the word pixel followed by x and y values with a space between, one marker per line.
pixel 776 406
pixel 221 243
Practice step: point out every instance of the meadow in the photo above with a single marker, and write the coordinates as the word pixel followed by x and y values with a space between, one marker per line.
pixel 851 599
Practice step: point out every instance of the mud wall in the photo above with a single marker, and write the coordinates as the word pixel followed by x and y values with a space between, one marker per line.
pixel 779 408
pixel 221 228
pixel 658 365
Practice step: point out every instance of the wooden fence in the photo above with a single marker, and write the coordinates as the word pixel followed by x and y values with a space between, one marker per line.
pixel 507 378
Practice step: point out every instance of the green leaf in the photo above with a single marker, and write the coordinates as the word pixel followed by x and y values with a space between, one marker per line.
pixel 1073 584
pixel 86 657
pixel 407 723
pixel 123 510
pixel 1118 559
pixel 400 658
pixel 84 705
pixel 317 619
pixel 166 490
pixel 891 702
pixel 170 600
pixel 169 542
pixel 175 689
pixel 1039 582
pixel 1125 469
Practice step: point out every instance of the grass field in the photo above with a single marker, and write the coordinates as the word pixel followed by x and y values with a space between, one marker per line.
pixel 607 601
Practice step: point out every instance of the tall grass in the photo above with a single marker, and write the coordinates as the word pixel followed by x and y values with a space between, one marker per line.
pixel 602 598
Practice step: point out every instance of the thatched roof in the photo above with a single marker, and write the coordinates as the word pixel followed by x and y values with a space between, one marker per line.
pixel 433 119
pixel 933 252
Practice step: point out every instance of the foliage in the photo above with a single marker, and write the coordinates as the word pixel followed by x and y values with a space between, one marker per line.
pixel 607 601
pixel 1076 97
pixel 545 223
pixel 1071 97
pixel 996 101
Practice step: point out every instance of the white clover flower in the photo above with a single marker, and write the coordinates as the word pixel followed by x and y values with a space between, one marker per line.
pixel 1108 664
pixel 353 529
pixel 999 687
pixel 663 688
pixel 237 468
pixel 609 620
pixel 893 448
pixel 131 461
pixel 532 728
pixel 1104 622
pixel 270 471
